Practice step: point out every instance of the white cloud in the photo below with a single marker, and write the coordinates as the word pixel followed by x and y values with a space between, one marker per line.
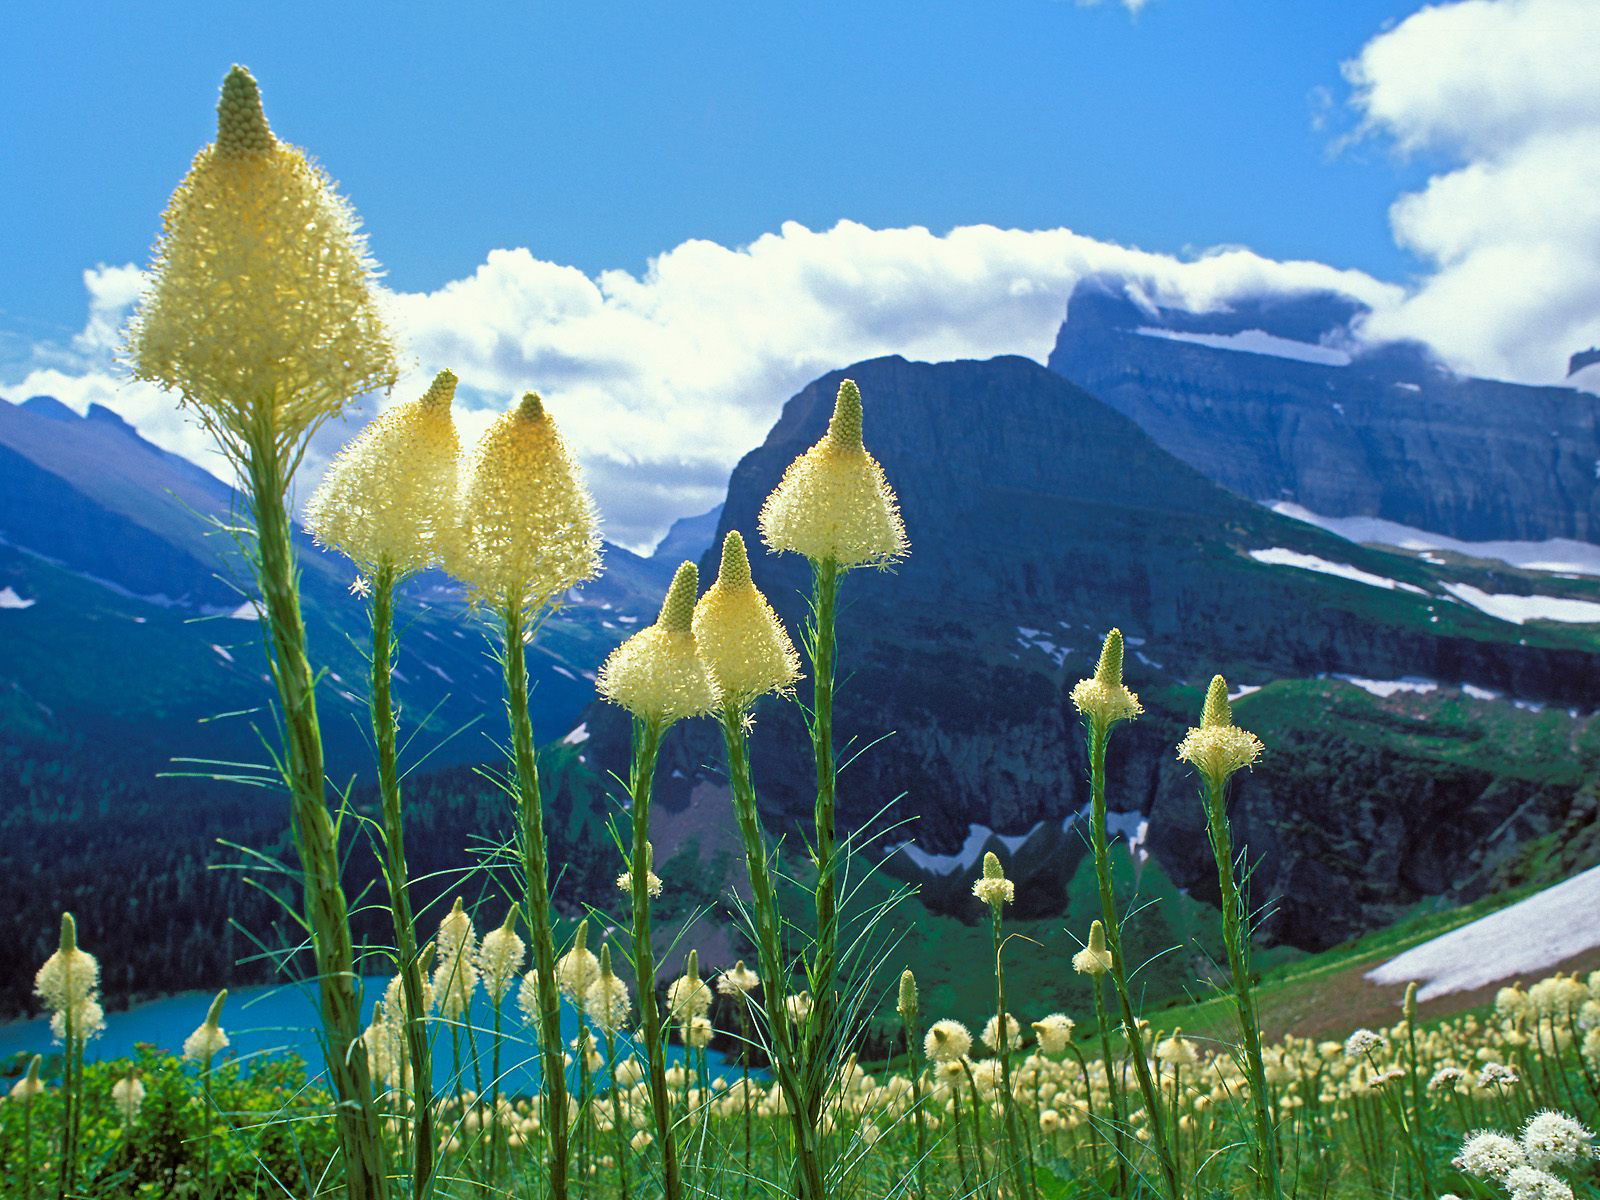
pixel 1505 92
pixel 1133 6
pixel 663 380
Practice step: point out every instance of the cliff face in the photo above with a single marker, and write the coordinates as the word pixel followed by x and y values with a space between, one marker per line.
pixel 1039 517
pixel 1262 400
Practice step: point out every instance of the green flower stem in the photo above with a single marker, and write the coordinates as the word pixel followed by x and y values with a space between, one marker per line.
pixel 646 747
pixel 1019 1160
pixel 1419 1103
pixel 913 1034
pixel 70 1081
pixel 1099 736
pixel 385 729
pixel 315 833
pixel 817 1060
pixel 1236 938
pixel 618 1127
pixel 769 949
pixel 1119 1119
pixel 536 870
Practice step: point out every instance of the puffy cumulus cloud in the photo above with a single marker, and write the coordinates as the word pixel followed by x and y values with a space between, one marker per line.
pixel 663 380
pixel 1505 92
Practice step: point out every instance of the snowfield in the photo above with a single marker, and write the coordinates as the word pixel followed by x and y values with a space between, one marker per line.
pixel 1518 609
pixel 1279 556
pixel 1528 937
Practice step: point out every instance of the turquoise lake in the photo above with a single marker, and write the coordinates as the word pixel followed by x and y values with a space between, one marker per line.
pixel 282 1019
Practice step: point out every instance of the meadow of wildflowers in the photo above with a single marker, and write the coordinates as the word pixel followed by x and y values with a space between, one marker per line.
pixel 261 316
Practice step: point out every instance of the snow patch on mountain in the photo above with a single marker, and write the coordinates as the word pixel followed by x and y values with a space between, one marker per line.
pixel 1520 609
pixel 1532 935
pixel 1256 341
pixel 1278 556
pixel 10 599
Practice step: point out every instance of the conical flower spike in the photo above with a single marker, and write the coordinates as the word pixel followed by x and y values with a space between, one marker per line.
pixel 607 1002
pixel 1104 699
pixel 1218 748
pixel 833 502
pixel 658 674
pixel 209 1040
pixel 389 496
pixel 528 529
pixel 907 1005
pixel 743 644
pixel 261 312
pixel 578 968
pixel 1095 958
pixel 994 889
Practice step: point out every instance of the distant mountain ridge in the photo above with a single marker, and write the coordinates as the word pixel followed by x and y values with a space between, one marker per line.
pixel 1277 401
pixel 1039 517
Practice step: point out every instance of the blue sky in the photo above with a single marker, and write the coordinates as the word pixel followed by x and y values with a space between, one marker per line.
pixel 670 217
pixel 600 134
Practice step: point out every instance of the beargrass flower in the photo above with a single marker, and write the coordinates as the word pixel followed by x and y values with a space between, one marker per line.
pixel 1218 748
pixel 834 503
pixel 388 498
pixel 1103 698
pixel 1054 1033
pixel 261 312
pixel 697 1032
pixel 607 1002
pixel 1530 1183
pixel 455 977
pixel 1490 1155
pixel 991 1033
pixel 1177 1050
pixel 69 985
pixel 738 980
pixel 652 880
pixel 527 528
pixel 947 1041
pixel 578 968
pixel 500 956
pixel 994 889
pixel 1363 1042
pixel 30 1087
pixel 658 674
pixel 688 996
pixel 906 1002
pixel 209 1040
pixel 745 648
pixel 1095 958
pixel 127 1094
pixel 1552 1139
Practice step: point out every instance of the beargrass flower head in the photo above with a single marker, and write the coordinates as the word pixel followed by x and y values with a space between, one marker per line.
pixel 738 980
pixel 947 1041
pixel 1511 1002
pixel 578 968
pixel 209 1040
pixel 261 312
pixel 688 996
pixel 1177 1050
pixel 1095 958
pixel 455 977
pixel 607 1002
pixel 500 956
pixel 658 674
pixel 834 503
pixel 1218 748
pixel 1103 699
pixel 993 888
pixel 127 1095
pixel 1531 1183
pixel 1553 1139
pixel 1363 1042
pixel 70 977
pixel 1054 1033
pixel 1498 1075
pixel 1489 1155
pixel 698 1032
pixel 906 1004
pixel 652 880
pixel 991 1033
pixel 30 1086
pixel 388 498
pixel 744 646
pixel 798 1007
pixel 527 528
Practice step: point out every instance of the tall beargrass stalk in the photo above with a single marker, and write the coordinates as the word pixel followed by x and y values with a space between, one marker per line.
pixel 1219 749
pixel 1105 702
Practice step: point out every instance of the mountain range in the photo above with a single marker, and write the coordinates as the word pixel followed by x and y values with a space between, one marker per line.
pixel 1426 705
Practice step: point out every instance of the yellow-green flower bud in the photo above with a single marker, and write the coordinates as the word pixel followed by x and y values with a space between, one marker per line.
pixel 388 497
pixel 1103 699
pixel 607 1002
pixel 1218 748
pixel 1095 958
pixel 261 312
pixel 28 1088
pixel 578 968
pixel 528 529
pixel 209 1040
pixel 744 646
pixel 658 674
pixel 833 502
pixel 907 1006
pixel 994 889
pixel 688 997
